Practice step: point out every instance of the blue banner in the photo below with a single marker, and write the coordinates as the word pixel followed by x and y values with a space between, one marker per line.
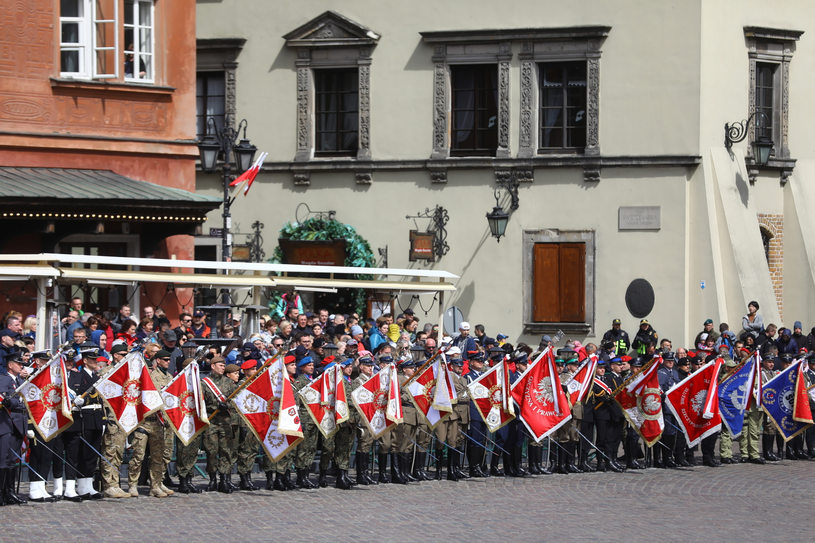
pixel 779 399
pixel 733 395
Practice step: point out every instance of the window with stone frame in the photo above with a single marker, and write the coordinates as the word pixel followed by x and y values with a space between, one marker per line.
pixel 333 69
pixel 562 106
pixel 770 52
pixel 215 92
pixel 210 101
pixel 474 108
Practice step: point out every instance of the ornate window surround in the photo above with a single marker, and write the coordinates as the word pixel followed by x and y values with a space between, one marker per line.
pixel 221 54
pixel 331 40
pixel 553 235
pixel 774 46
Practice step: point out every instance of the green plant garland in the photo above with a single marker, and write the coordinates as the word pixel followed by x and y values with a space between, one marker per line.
pixel 358 252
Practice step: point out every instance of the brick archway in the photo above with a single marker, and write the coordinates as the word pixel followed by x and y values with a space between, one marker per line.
pixel 772 226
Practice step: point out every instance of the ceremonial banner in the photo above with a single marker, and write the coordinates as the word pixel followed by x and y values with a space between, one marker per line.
pixel 325 400
pixel 184 404
pixel 734 395
pixel 801 411
pixel 432 402
pixel 778 401
pixel 544 406
pixel 379 401
pixel 268 406
pixel 754 382
pixel 490 393
pixel 129 391
pixel 580 384
pixel 642 405
pixel 46 399
pixel 688 401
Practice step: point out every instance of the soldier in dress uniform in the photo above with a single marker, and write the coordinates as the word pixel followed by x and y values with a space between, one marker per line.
pixel 282 468
pixel 446 431
pixel 478 428
pixel 516 436
pixel 13 428
pixel 664 449
pixel 631 446
pixel 114 439
pixel 150 434
pixel 39 462
pixel 586 425
pixel 344 438
pixel 497 354
pixel 405 434
pixel 609 417
pixel 248 445
pixel 306 449
pixel 387 448
pixel 566 435
pixel 187 456
pixel 233 372
pixel 462 408
pixel 365 439
pixel 218 437
pixel 84 437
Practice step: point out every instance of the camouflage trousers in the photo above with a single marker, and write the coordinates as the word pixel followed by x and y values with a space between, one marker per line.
pixel 247 451
pixel 113 447
pixel 281 466
pixel 187 456
pixel 338 448
pixel 308 447
pixel 149 434
pixel 219 443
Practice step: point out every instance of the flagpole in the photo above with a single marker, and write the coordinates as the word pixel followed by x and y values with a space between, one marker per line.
pixel 116 368
pixel 424 367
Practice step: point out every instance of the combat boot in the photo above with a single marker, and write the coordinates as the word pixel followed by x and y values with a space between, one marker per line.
pixel 290 485
pixel 396 470
pixel 342 480
pixel 517 462
pixel 534 465
pixel 418 467
pixel 361 459
pixel 213 483
pixel 322 482
pixel 232 485
pixel 767 445
pixel 439 455
pixel 572 452
pixel 270 480
pixel 246 482
pixel 382 460
pixel 223 484
pixel 193 489
pixel 278 482
pixel 495 471
pixel 451 470
pixel 183 487
pixel 303 480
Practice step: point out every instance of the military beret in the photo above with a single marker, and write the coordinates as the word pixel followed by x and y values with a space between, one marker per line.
pixel 290 359
pixel 249 365
pixel 232 368
pixel 328 360
pixel 217 360
pixel 164 354
pixel 329 366
pixel 305 361
pixel 187 362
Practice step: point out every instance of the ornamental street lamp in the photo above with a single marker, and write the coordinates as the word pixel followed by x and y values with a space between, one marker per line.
pixel 761 146
pixel 221 142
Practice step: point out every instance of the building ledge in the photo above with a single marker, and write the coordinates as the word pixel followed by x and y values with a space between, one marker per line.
pixel 551 328
pixel 128 90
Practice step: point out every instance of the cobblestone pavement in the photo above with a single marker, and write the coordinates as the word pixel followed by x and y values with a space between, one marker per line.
pixel 772 502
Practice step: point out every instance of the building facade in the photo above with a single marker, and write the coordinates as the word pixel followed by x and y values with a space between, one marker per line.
pixel 608 116
pixel 97 137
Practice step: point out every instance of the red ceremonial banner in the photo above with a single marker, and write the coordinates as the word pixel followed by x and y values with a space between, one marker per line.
pixel 688 400
pixel 543 404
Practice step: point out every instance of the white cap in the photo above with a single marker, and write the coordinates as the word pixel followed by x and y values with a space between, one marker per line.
pixel 453 351
pixel 464 326
pixel 446 339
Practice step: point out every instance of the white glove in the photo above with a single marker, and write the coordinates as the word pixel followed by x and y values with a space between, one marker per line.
pixel 30 434
pixel 79 401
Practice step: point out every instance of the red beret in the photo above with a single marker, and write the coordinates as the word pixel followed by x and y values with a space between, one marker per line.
pixel 291 359
pixel 328 359
pixel 249 365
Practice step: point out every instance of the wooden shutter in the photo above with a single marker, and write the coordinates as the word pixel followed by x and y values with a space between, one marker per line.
pixel 559 277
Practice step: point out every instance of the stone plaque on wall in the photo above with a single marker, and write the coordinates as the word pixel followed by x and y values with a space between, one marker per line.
pixel 640 218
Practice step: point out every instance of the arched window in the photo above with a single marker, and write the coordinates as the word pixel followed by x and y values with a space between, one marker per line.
pixel 766 236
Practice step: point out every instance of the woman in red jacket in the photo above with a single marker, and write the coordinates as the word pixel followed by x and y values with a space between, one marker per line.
pixel 128 332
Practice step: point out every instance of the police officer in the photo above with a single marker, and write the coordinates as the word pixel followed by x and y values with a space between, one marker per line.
pixel 218 437
pixel 13 428
pixel 365 439
pixel 84 437
pixel 307 448
pixel 617 338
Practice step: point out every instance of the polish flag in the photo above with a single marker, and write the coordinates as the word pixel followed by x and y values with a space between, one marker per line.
pixel 431 393
pixel 543 404
pixel 130 392
pixel 579 386
pixel 248 177
pixel 490 394
pixel 379 401
pixel 326 402
pixel 801 411
pixel 46 399
pixel 184 404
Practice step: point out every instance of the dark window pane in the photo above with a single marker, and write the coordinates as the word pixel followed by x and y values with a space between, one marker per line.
pixel 562 105
pixel 69 61
pixel 70 8
pixel 70 33
pixel 337 109
pixel 475 109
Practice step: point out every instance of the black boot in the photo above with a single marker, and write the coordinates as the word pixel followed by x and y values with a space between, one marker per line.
pixel 193 489
pixel 302 479
pixel 213 482
pixel 517 462
pixel 557 461
pixel 418 467
pixel 532 453
pixel 287 482
pixel 396 469
pixel 406 468
pixel 342 480
pixel 382 460
pixel 451 466
pixel 767 445
pixel 270 480
pixel 361 460
pixel 223 484
pixel 344 474
pixel 183 487
pixel 9 496
pixel 322 482
pixel 495 471
pixel 509 468
pixel 439 456
pixel 571 466
pixel 613 466
pixel 584 461
pixel 278 481
pixel 169 483
pixel 232 485
pixel 246 482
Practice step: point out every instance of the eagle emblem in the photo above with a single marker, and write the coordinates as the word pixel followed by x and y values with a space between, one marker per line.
pixel 697 403
pixel 544 392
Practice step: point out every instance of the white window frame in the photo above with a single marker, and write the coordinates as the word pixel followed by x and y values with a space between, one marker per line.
pixel 138 54
pixel 83 46
pixel 97 48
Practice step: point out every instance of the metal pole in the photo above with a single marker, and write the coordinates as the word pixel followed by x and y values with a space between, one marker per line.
pixel 226 252
pixel 43 325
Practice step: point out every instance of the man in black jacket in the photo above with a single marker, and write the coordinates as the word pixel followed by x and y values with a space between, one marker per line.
pixel 618 337
pixel 609 417
pixel 13 428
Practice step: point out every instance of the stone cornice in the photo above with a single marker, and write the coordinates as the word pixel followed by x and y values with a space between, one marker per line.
pixel 521 34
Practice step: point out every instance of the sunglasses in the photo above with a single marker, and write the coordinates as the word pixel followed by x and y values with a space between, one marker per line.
pixel 165 359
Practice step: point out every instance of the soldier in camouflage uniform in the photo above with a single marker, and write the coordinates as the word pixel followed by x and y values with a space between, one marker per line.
pixel 248 444
pixel 233 372
pixel 446 431
pixel 113 440
pixel 187 456
pixel 462 409
pixel 278 474
pixel 218 437
pixel 344 438
pixel 386 443
pixel 365 439
pixel 150 433
pixel 405 434
pixel 307 448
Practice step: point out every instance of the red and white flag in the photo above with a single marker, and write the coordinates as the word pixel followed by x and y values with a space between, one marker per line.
pixel 642 404
pixel 432 393
pixel 268 406
pixel 129 391
pixel 47 400
pixel 325 400
pixel 754 382
pixel 580 384
pixel 544 406
pixel 379 401
pixel 690 403
pixel 248 177
pixel 490 393
pixel 801 411
pixel 184 404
